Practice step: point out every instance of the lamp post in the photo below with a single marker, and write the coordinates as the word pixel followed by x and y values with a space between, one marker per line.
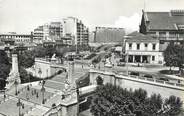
pixel 20 104
pixel 43 91
pixel 16 84
pixel 77 91
pixel 127 62
pixel 40 72
pixel 4 95
pixel 29 77
pixel 82 62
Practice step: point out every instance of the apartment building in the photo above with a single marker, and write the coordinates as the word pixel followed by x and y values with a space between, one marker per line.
pixel 109 35
pixel 77 30
pixel 69 27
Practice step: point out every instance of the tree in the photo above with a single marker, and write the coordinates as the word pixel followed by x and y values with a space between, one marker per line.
pixel 174 56
pixel 39 51
pixel 4 68
pixel 110 100
pixel 173 106
pixel 26 59
pixel 170 56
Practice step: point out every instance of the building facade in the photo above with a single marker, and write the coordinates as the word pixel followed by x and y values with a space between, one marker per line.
pixel 38 34
pixel 69 27
pixel 166 26
pixel 109 35
pixel 141 48
pixel 48 32
pixel 18 38
pixel 77 30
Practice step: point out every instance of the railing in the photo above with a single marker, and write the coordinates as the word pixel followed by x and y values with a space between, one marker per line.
pixel 143 79
pixel 159 81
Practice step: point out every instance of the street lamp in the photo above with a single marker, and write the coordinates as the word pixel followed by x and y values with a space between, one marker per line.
pixel 29 77
pixel 43 91
pixel 127 63
pixel 40 72
pixel 20 104
pixel 16 84
pixel 82 62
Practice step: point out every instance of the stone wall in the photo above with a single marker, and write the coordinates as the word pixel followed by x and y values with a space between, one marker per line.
pixel 164 89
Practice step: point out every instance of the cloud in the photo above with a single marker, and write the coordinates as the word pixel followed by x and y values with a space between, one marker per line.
pixel 129 23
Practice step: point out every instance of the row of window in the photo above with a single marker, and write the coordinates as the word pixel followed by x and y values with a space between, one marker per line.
pixel 171 34
pixel 17 36
pixel 22 40
pixel 145 45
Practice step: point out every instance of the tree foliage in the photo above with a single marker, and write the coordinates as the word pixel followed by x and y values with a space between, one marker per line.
pixel 26 59
pixel 111 100
pixel 174 55
pixel 4 68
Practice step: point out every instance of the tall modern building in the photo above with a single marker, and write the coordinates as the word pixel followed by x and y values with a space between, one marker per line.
pixel 55 30
pixel 49 31
pixel 38 34
pixel 109 35
pixel 71 28
pixel 77 30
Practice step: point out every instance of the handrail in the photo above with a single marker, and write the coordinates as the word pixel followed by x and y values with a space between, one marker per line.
pixel 156 81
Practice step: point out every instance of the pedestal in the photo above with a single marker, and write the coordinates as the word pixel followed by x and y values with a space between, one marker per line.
pixel 69 106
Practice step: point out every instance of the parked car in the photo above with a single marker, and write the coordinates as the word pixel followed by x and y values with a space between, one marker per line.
pixel 137 64
pixel 163 79
pixel 109 65
pixel 134 73
pixel 120 64
pixel 148 76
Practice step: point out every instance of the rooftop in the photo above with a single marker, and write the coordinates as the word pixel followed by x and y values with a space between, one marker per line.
pixel 165 20
pixel 139 36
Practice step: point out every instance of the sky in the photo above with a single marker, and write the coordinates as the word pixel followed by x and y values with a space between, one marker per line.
pixel 22 16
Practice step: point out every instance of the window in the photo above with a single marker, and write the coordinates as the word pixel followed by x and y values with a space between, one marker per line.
pixel 145 45
pixel 172 34
pixel 162 34
pixel 153 58
pixel 138 46
pixel 152 33
pixel 130 46
pixel 154 46
pixel 161 42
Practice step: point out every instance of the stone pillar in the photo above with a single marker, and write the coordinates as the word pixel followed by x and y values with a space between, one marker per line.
pixel 69 109
pixel 71 79
pixel 141 59
pixel 92 77
pixel 127 58
pixel 14 76
pixel 133 58
pixel 15 68
pixel 149 58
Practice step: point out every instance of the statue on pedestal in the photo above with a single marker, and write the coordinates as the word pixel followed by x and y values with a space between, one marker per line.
pixel 70 86
pixel 14 77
